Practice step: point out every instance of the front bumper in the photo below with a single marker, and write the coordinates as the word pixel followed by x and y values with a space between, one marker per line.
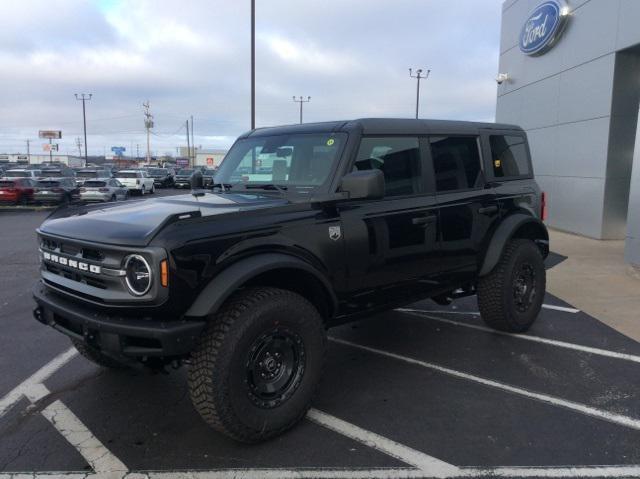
pixel 115 335
pixel 95 196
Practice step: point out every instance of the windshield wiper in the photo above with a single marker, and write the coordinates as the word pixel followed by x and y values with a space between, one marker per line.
pixel 267 186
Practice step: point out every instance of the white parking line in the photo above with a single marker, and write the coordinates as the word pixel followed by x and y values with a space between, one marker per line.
pixel 427 464
pixel 76 433
pixel 37 378
pixel 574 406
pixel 526 337
pixel 561 308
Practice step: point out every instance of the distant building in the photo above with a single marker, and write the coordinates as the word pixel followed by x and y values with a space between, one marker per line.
pixel 209 158
pixel 36 159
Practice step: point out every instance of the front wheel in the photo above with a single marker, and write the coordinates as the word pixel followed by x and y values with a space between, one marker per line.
pixel 510 297
pixel 142 191
pixel 258 364
pixel 152 190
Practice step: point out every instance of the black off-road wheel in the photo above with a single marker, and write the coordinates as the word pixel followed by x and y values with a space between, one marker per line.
pixel 96 356
pixel 258 364
pixel 510 297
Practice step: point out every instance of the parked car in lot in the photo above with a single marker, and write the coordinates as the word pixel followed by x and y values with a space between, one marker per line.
pixel 91 174
pixel 162 177
pixel 17 191
pixel 55 190
pixel 103 190
pixel 137 181
pixel 183 178
pixel 242 283
pixel 22 173
pixel 57 172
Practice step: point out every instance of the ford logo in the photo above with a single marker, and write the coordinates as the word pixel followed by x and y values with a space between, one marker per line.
pixel 543 27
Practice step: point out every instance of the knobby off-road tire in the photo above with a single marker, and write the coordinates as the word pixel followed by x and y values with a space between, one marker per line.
pixel 510 297
pixel 258 364
pixel 96 356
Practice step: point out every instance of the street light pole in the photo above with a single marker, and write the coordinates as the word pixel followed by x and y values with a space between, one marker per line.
pixel 253 64
pixel 84 97
pixel 301 100
pixel 419 76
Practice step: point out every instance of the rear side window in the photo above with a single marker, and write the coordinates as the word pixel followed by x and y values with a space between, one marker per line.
pixel 456 162
pixel 509 156
pixel 399 161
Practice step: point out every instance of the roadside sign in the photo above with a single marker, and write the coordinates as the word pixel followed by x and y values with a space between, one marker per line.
pixel 50 134
pixel 182 162
pixel 118 150
pixel 50 147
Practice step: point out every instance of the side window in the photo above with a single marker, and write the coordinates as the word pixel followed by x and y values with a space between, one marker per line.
pixel 456 162
pixel 397 158
pixel 509 156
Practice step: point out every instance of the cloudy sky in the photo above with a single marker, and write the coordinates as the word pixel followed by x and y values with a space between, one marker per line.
pixel 191 57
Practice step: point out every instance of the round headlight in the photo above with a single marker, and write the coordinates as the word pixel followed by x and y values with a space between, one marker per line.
pixel 138 274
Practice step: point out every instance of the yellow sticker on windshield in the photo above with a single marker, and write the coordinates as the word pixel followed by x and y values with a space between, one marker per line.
pixel 330 142
pixel 497 163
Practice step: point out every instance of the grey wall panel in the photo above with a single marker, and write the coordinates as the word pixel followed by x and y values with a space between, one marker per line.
pixel 615 208
pixel 582 149
pixel 543 143
pixel 591 32
pixel 628 31
pixel 512 63
pixel 540 103
pixel 509 109
pixel 586 90
pixel 514 17
pixel 575 204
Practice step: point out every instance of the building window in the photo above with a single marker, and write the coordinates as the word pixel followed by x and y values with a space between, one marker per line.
pixel 456 162
pixel 399 161
pixel 509 156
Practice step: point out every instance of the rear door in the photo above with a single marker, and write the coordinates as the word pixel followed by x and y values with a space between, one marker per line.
pixel 467 205
pixel 391 243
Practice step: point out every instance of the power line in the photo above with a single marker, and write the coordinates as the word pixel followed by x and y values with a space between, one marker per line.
pixel 84 98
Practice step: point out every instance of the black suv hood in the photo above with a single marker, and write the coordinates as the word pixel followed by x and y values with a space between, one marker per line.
pixel 135 223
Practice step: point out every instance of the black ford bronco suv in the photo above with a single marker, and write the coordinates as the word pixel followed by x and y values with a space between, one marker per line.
pixel 307 227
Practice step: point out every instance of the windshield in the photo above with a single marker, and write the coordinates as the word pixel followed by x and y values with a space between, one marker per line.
pixel 94 183
pixel 87 174
pixel 53 173
pixel 185 172
pixel 157 171
pixel 127 174
pixel 298 160
pixel 209 172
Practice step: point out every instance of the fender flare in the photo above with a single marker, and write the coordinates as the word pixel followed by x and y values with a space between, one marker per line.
pixel 504 233
pixel 228 280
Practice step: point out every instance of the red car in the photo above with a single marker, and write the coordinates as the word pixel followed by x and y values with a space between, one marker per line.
pixel 16 191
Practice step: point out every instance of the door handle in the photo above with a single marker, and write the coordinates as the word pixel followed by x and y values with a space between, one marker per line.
pixel 488 210
pixel 424 220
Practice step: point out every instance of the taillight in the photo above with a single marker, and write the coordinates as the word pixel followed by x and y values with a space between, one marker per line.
pixel 543 206
pixel 103 190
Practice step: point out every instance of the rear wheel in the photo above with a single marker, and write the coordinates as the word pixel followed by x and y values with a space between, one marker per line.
pixel 152 190
pixel 258 364
pixel 510 297
pixel 142 190
pixel 113 198
pixel 96 356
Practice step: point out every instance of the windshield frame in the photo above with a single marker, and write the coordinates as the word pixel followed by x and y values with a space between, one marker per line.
pixel 283 187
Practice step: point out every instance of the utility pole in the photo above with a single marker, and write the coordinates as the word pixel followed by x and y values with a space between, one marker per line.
pixel 84 97
pixel 193 141
pixel 79 145
pixel 28 151
pixel 148 124
pixel 188 144
pixel 137 151
pixel 419 76
pixel 301 100
pixel 253 64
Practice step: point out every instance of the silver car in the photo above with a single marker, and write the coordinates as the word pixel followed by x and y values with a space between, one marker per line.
pixel 103 190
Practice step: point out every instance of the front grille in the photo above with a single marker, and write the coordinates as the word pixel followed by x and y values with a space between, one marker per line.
pixel 76 276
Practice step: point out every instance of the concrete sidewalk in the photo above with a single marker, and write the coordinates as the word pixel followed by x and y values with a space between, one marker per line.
pixel 595 279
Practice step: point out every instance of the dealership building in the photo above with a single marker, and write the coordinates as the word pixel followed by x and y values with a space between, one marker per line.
pixel 569 74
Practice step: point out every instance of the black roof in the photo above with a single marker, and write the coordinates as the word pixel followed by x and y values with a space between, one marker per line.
pixel 389 126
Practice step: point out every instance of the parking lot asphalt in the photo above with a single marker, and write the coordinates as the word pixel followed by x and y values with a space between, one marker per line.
pixel 423 391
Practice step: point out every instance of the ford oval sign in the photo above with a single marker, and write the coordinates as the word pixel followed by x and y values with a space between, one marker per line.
pixel 543 27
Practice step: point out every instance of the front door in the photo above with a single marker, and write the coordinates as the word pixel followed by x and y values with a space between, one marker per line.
pixel 391 243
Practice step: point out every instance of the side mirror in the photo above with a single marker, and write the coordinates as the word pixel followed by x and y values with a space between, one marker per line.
pixel 364 184
pixel 196 180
